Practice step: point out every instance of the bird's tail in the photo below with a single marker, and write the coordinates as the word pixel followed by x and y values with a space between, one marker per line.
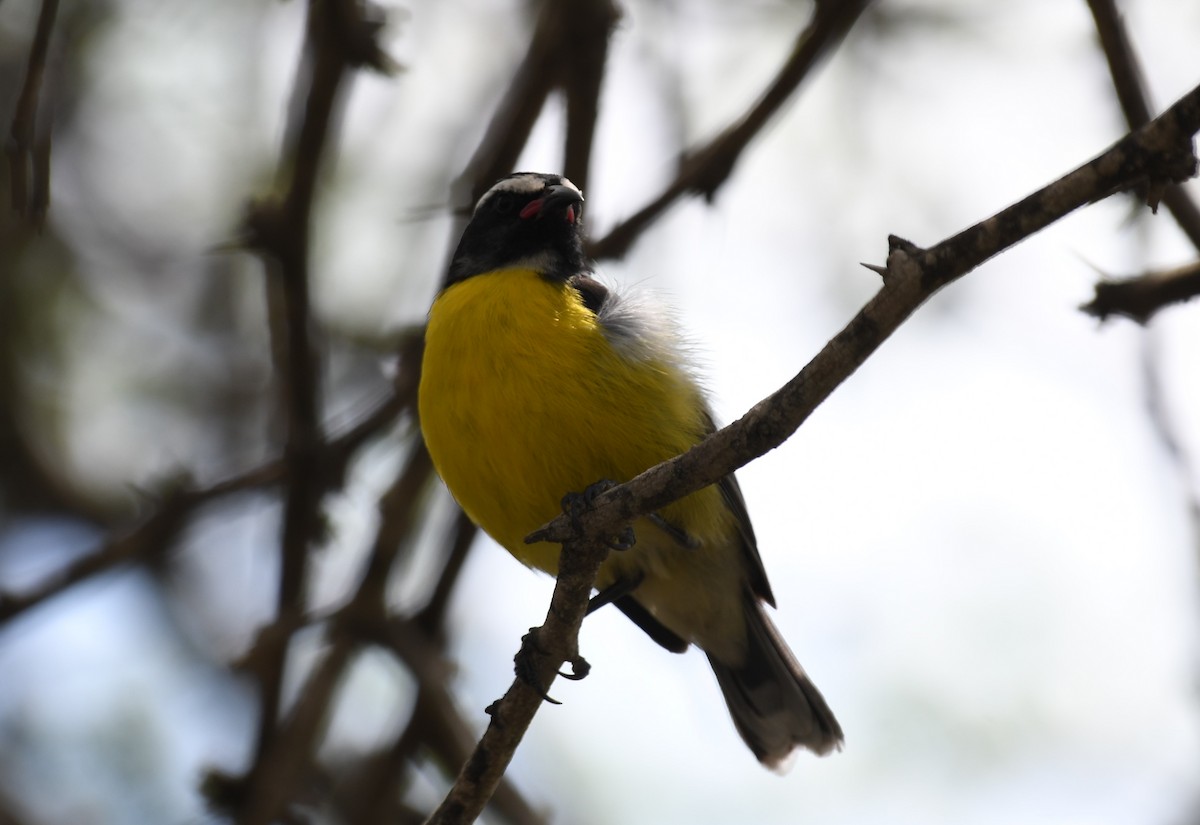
pixel 774 705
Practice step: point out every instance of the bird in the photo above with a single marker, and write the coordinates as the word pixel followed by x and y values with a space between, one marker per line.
pixel 537 380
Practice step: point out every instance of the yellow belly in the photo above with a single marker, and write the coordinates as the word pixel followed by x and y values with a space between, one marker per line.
pixel 524 399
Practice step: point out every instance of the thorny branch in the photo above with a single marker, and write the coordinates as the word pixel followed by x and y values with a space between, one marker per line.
pixel 1139 298
pixel 1153 157
pixel 511 716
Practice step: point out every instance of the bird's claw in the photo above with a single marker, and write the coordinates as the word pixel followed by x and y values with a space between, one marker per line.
pixel 624 541
pixel 525 667
pixel 579 669
pixel 576 504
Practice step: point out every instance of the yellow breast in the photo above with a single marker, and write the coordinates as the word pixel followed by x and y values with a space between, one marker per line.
pixel 523 398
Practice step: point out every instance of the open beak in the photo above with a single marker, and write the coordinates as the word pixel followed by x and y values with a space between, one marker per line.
pixel 556 198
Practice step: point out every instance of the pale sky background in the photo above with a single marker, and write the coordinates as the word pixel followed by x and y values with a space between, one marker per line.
pixel 981 550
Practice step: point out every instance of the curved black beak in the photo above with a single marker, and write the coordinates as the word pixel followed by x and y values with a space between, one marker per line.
pixel 556 199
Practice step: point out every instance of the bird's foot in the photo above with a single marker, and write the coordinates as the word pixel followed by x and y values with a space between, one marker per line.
pixel 525 665
pixel 682 537
pixel 576 504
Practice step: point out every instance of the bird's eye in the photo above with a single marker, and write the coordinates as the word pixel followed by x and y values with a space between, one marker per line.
pixel 503 204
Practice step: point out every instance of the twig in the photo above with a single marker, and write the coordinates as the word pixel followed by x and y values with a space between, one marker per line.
pixel 704 170
pixel 372 793
pixel 151 538
pixel 438 718
pixel 1167 430
pixel 11 812
pixel 436 722
pixel 518 111
pixel 562 32
pixel 27 150
pixel 1131 91
pixel 511 715
pixel 1141 297
pixel 399 515
pixel 363 619
pixel 339 38
pixel 453 741
pixel 590 30
pixel 461 535
pixel 290 748
pixel 34 482
pixel 155 533
pixel 1158 154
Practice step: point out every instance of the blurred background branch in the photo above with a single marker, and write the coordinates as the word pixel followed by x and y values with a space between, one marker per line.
pixel 703 170
pixel 339 37
pixel 28 143
pixel 292 610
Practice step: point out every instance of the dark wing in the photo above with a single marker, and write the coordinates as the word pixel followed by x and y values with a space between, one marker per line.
pixel 751 560
pixel 653 628
pixel 593 293
pixel 620 593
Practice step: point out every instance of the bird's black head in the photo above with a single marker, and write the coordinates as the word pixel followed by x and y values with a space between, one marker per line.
pixel 529 220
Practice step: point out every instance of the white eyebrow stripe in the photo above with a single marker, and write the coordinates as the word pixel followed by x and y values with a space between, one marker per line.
pixel 520 184
pixel 525 184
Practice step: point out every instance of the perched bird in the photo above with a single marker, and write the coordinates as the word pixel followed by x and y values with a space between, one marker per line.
pixel 538 381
